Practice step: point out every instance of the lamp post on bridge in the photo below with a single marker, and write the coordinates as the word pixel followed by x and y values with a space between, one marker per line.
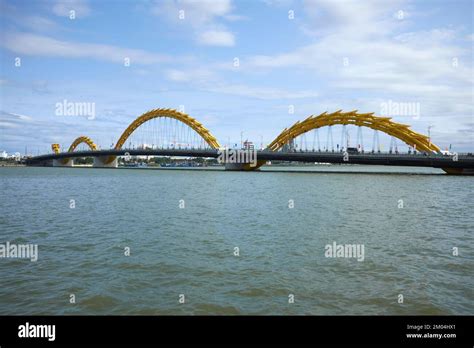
pixel 429 134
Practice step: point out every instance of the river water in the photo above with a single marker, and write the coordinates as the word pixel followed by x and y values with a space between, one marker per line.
pixel 182 228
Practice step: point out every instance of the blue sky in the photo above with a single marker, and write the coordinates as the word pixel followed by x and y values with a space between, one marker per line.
pixel 332 55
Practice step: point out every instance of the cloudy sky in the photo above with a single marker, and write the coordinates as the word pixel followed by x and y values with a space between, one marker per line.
pixel 235 65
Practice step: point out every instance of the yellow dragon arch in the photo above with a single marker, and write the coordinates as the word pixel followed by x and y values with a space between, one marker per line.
pixel 384 124
pixel 79 140
pixel 171 113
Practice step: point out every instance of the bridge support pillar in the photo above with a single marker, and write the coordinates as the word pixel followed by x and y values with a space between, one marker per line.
pixel 60 163
pixel 459 171
pixel 245 167
pixel 100 162
pixel 233 166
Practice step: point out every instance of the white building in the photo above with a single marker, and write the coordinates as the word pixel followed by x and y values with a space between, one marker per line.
pixel 3 154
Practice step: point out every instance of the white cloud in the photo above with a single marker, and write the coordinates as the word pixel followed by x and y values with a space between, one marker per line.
pixel 11 120
pixel 413 62
pixel 427 36
pixel 235 18
pixel 177 75
pixel 264 93
pixel 21 117
pixel 216 38
pixel 37 45
pixel 202 16
pixel 195 12
pixel 25 19
pixel 63 8
pixel 38 23
pixel 207 80
pixel 278 3
pixel 352 16
pixel 384 60
pixel 194 75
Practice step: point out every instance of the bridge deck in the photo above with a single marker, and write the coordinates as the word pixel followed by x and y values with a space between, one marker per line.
pixel 465 161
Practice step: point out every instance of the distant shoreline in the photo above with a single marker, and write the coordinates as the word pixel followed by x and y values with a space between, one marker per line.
pixel 12 165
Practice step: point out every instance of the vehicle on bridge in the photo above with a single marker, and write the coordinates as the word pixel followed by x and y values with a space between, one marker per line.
pixel 352 150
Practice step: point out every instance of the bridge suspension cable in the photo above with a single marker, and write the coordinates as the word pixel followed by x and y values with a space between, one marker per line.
pixel 368 120
pixel 360 139
pixel 166 128
pixel 329 136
